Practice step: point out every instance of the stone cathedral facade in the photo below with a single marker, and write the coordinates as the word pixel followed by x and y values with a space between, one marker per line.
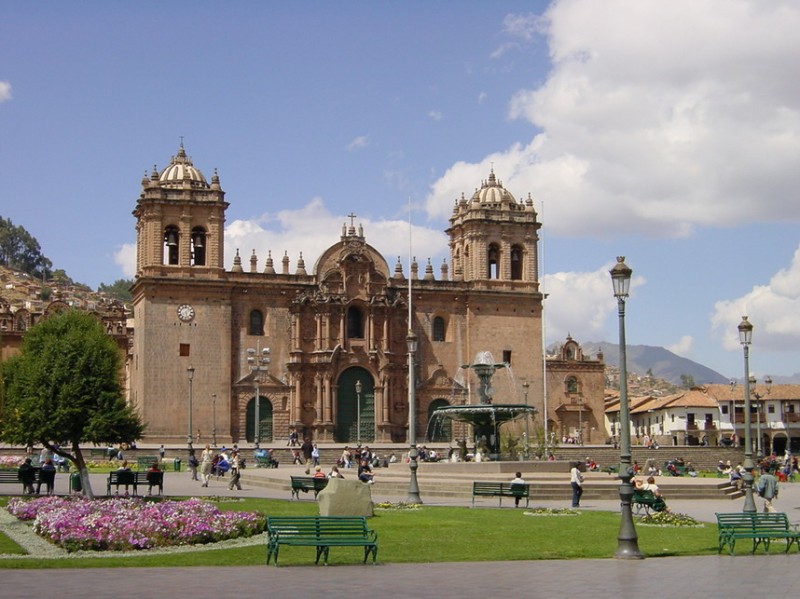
pixel 336 331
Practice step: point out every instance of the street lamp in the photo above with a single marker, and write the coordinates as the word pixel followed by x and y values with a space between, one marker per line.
pixel 745 337
pixel 627 541
pixel 257 360
pixel 190 372
pixel 413 486
pixel 759 396
pixel 214 419
pixel 525 386
pixel 358 412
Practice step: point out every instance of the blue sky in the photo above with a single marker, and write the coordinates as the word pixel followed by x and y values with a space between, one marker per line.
pixel 667 132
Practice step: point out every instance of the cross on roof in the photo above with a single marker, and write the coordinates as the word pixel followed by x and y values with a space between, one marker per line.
pixel 351 216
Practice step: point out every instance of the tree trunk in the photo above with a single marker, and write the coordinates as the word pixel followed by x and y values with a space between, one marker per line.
pixel 83 471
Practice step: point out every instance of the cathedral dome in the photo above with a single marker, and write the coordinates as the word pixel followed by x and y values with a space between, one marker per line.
pixel 492 192
pixel 180 171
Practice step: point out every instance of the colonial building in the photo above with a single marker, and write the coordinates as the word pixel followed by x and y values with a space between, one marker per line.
pixel 335 333
pixel 575 389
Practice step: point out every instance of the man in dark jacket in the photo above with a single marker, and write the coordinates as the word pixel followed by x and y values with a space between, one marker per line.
pixel 307 448
pixel 27 476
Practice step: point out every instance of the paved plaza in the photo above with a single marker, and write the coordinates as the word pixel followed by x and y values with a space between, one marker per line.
pixel 708 576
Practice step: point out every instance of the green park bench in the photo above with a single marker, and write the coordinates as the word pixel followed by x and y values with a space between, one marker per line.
pixel 306 484
pixel 500 490
pixel 643 500
pixel 322 532
pixel 133 479
pixel 761 528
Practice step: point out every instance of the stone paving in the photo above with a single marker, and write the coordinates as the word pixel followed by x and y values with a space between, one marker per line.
pixel 711 576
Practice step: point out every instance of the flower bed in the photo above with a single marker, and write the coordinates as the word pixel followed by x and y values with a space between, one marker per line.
pixel 551 511
pixel 121 524
pixel 669 519
pixel 10 462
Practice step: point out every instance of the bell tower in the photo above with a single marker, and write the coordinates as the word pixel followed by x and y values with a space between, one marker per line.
pixel 180 221
pixel 493 236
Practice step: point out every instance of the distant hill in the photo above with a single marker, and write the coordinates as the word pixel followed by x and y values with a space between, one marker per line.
pixel 663 363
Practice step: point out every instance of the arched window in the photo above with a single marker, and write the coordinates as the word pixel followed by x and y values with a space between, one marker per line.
pixel 355 328
pixel 493 262
pixel 439 329
pixel 572 384
pixel 256 325
pixel 516 263
pixel 172 238
pixel 198 246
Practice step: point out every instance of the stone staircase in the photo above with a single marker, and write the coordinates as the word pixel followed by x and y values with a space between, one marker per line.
pixel 454 482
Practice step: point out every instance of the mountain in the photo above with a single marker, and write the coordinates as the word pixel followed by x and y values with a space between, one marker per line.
pixel 661 362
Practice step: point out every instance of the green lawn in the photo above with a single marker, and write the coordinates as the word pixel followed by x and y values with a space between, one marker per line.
pixel 433 534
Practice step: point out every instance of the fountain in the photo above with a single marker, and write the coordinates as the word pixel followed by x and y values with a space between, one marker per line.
pixel 485 417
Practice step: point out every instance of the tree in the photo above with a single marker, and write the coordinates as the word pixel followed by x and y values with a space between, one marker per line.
pixel 687 381
pixel 64 388
pixel 20 250
pixel 119 289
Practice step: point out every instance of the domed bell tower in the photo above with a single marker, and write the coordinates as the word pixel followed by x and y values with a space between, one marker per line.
pixel 180 221
pixel 494 237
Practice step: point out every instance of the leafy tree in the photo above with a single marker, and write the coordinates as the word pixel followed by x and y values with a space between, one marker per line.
pixel 687 381
pixel 119 289
pixel 20 250
pixel 64 387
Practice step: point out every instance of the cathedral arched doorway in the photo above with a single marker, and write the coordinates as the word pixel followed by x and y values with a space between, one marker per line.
pixel 355 407
pixel 441 429
pixel 264 415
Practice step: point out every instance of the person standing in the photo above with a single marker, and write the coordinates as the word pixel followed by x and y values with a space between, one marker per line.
pixel 193 463
pixel 307 448
pixel 576 480
pixel 315 455
pixel 206 459
pixel 767 488
pixel 235 476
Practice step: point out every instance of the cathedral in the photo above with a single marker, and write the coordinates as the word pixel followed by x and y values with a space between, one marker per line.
pixel 245 355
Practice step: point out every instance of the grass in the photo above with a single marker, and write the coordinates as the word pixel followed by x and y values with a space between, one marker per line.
pixel 431 534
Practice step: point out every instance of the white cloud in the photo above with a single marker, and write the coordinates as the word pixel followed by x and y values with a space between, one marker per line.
pixel 5 91
pixel 312 229
pixel 482 97
pixel 435 115
pixel 579 303
pixel 362 141
pixel 657 117
pixel 522 27
pixel 772 310
pixel 683 347
pixel 125 258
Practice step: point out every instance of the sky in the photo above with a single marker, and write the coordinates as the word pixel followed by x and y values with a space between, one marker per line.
pixel 665 132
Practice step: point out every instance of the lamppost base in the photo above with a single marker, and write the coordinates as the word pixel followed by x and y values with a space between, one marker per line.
pixel 628 550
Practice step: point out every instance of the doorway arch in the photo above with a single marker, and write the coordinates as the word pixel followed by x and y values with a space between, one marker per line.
pixel 355 412
pixel 441 429
pixel 264 415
